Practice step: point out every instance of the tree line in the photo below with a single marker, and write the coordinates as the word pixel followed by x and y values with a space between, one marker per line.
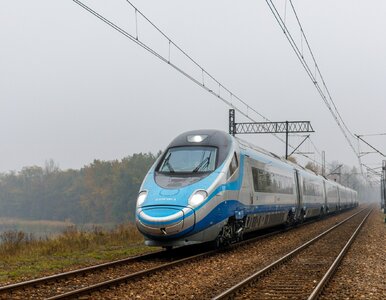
pixel 101 192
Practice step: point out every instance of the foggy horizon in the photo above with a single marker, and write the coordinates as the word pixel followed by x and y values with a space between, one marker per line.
pixel 73 90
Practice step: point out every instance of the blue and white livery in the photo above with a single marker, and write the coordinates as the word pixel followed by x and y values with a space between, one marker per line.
pixel 210 186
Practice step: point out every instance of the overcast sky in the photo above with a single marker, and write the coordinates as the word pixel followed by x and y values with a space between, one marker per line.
pixel 74 90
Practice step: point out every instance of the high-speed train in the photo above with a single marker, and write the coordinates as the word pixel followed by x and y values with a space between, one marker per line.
pixel 211 186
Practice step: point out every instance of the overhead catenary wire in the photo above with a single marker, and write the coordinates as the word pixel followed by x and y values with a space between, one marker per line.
pixel 373 134
pixel 231 94
pixel 316 149
pixel 299 54
pixel 223 93
pixel 326 96
pixel 136 39
pixel 371 146
pixel 306 66
pixel 303 35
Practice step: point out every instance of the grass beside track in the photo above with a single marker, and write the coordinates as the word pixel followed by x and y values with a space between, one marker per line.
pixel 23 257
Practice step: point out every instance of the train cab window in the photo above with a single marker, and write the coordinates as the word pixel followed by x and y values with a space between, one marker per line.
pixel 188 160
pixel 233 165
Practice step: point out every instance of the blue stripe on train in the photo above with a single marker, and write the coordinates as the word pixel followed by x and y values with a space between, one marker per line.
pixel 221 212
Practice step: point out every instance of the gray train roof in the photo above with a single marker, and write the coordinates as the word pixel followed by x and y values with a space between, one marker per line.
pixel 223 141
pixel 285 163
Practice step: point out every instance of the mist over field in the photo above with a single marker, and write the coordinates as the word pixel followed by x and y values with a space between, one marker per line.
pixel 102 193
pixel 74 90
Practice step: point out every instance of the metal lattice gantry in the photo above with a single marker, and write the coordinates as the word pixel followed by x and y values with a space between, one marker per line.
pixel 286 127
pixel 274 127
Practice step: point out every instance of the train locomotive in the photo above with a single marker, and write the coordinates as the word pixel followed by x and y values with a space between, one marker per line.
pixel 209 186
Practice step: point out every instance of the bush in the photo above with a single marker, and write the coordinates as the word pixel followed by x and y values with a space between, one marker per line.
pixel 72 239
pixel 14 240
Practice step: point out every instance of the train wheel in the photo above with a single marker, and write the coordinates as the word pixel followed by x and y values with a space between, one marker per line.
pixel 217 243
pixel 229 234
pixel 290 219
pixel 220 240
pixel 321 212
pixel 239 236
pixel 301 217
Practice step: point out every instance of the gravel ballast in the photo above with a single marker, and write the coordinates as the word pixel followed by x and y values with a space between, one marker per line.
pixel 362 274
pixel 206 278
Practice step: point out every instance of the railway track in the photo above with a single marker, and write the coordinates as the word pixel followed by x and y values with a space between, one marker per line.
pixel 303 272
pixel 87 280
pixel 80 281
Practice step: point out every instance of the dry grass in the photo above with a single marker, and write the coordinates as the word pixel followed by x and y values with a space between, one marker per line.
pixel 14 243
pixel 24 256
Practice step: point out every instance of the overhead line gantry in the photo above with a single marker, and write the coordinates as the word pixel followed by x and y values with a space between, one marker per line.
pixel 286 127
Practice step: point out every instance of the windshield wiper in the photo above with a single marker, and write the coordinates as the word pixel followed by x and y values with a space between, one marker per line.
pixel 205 163
pixel 167 163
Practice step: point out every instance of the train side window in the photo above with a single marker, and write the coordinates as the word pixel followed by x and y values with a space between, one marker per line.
pixel 233 165
pixel 267 182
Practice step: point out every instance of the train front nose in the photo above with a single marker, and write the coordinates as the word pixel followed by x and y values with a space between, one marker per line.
pixel 165 221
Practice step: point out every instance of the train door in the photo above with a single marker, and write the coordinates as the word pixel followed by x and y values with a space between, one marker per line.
pixel 325 197
pixel 299 194
pixel 247 194
pixel 252 194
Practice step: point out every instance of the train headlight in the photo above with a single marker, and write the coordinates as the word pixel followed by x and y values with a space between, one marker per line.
pixel 197 198
pixel 196 138
pixel 141 198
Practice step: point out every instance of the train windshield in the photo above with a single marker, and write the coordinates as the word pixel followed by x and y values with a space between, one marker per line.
pixel 189 160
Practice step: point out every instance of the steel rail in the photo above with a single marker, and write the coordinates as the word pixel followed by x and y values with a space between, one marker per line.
pixel 323 282
pixel 65 275
pixel 99 267
pixel 126 278
pixel 32 282
pixel 233 290
pixel 122 279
